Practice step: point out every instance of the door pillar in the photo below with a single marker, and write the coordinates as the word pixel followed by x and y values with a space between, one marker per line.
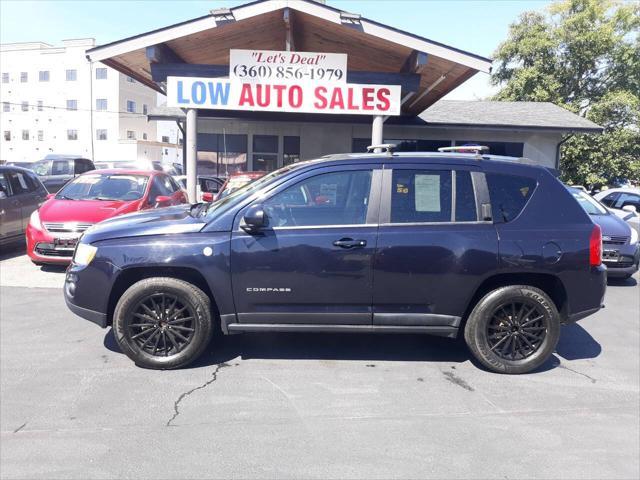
pixel 192 154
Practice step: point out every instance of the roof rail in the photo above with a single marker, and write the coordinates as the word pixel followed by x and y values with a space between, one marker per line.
pixel 477 149
pixel 387 147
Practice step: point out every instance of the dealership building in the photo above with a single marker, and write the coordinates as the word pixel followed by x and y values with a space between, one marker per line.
pixel 363 83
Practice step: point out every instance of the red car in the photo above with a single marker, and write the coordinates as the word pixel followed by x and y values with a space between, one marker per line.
pixel 90 198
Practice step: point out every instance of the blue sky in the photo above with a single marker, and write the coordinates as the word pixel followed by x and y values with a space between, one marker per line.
pixel 477 26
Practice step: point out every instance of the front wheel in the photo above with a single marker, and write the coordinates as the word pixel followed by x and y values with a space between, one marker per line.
pixel 513 329
pixel 163 323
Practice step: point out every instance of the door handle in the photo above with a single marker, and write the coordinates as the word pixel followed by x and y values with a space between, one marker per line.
pixel 350 243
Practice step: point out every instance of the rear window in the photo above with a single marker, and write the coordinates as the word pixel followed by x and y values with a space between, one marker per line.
pixel 509 194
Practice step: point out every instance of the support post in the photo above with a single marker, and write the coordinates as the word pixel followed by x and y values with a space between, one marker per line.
pixel 192 154
pixel 377 132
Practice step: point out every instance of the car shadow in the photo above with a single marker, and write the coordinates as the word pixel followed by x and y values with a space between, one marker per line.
pixel 621 282
pixel 575 343
pixel 13 250
pixel 53 268
pixel 326 346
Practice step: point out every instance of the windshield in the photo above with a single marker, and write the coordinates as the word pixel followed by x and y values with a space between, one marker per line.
pixel 234 184
pixel 41 168
pixel 590 205
pixel 104 186
pixel 246 189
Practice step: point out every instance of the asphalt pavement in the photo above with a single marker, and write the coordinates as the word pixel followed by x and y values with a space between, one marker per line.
pixel 310 406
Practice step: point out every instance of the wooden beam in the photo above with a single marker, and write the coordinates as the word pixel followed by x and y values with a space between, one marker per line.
pixel 415 62
pixel 289 41
pixel 162 53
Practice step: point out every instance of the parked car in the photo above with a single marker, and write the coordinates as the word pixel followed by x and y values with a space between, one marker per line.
pixel 621 251
pixel 442 244
pixel 21 193
pixel 56 170
pixel 235 181
pixel 624 202
pixel 170 168
pixel 54 229
pixel 208 185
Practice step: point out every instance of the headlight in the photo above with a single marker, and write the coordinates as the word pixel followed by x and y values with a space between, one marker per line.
pixel 84 254
pixel 34 220
pixel 634 236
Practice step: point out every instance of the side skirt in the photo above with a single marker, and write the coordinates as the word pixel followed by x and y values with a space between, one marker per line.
pixel 441 331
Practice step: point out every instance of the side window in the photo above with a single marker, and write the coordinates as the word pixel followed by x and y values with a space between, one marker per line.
pixel 465 199
pixel 509 194
pixel 421 196
pixel 82 166
pixel 61 167
pixel 159 188
pixel 18 183
pixel 610 199
pixel 628 199
pixel 5 191
pixel 339 198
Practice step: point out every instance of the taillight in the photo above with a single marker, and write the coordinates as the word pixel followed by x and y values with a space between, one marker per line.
pixel 595 246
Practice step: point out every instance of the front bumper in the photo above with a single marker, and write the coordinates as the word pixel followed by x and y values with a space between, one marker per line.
pixel 91 315
pixel 42 247
pixel 86 291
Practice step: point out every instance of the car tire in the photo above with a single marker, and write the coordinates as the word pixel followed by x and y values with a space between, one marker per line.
pixel 506 339
pixel 163 323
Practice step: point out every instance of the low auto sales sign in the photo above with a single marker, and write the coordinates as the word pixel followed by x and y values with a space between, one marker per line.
pixel 272 81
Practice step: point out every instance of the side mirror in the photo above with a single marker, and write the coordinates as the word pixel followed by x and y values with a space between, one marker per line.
pixel 207 197
pixel 162 201
pixel 254 219
pixel 51 195
pixel 630 208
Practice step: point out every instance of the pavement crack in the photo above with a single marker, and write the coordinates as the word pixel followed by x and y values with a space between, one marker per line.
pixel 20 427
pixel 176 404
pixel 453 378
pixel 593 380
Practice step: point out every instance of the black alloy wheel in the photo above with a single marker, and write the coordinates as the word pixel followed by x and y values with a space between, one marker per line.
pixel 162 324
pixel 513 329
pixel 516 330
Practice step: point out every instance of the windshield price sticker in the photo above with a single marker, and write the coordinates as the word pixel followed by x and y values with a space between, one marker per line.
pixel 278 66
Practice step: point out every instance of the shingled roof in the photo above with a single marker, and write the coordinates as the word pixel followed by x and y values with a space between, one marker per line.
pixel 509 115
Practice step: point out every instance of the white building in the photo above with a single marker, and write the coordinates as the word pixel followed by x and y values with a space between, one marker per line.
pixel 55 101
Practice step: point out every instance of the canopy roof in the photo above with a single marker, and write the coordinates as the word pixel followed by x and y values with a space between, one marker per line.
pixel 302 25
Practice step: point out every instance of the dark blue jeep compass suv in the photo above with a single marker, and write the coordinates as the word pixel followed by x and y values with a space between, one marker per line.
pixel 443 244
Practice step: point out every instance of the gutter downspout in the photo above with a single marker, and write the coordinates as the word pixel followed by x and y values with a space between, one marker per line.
pixel 558 150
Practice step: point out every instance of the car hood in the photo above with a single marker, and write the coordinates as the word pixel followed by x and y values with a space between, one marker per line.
pixel 612 225
pixel 159 221
pixel 82 211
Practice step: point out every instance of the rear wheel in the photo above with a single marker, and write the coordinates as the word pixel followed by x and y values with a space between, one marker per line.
pixel 513 329
pixel 163 323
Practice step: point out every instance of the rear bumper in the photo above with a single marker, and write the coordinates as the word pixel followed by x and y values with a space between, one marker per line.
pixel 627 264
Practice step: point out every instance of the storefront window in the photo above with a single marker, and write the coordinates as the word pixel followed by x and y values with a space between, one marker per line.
pixel 291 150
pixel 220 154
pixel 265 153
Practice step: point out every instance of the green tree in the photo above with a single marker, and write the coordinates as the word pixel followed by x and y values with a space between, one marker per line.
pixel 583 55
